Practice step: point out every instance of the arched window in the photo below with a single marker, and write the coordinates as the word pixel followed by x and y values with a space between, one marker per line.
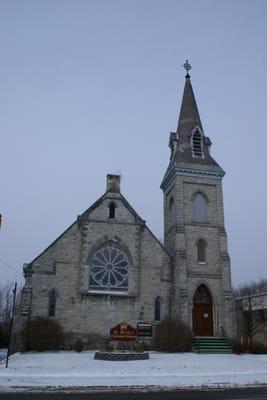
pixel 200 208
pixel 108 268
pixel 171 210
pixel 171 204
pixel 202 295
pixel 201 251
pixel 197 144
pixel 112 209
pixel 52 299
pixel 157 308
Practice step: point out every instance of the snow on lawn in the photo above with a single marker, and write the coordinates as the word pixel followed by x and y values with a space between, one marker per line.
pixel 65 369
pixel 2 353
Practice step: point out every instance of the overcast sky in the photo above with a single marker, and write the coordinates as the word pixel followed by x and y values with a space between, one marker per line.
pixel 94 87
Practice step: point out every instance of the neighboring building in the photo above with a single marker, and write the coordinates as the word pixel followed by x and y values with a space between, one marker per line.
pixel 108 267
pixel 251 315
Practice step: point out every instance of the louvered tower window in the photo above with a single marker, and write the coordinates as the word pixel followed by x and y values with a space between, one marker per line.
pixel 197 145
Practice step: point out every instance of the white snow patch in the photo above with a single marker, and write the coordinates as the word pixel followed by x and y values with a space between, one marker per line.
pixel 69 369
pixel 3 353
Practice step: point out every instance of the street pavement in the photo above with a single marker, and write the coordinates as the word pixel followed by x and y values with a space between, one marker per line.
pixel 229 394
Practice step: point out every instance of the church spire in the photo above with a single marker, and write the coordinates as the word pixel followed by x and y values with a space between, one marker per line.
pixel 189 145
pixel 189 116
pixel 190 148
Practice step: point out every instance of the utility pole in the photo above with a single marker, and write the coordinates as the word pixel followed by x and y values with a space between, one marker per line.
pixel 11 323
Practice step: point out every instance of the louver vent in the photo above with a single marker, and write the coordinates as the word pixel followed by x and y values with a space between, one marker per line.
pixel 197 145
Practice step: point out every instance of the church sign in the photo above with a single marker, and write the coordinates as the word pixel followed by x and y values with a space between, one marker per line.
pixel 123 332
pixel 144 330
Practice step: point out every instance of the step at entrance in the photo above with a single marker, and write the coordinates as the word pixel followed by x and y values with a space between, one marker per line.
pixel 211 344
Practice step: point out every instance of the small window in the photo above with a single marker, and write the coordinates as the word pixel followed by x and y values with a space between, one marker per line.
pixel 200 208
pixel 171 211
pixel 52 304
pixel 201 251
pixel 197 144
pixel 157 308
pixel 112 208
pixel 171 204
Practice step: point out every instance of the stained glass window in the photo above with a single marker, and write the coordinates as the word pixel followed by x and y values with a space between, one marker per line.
pixel 109 267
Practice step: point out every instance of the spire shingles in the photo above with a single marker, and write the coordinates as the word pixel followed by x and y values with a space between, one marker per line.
pixel 189 120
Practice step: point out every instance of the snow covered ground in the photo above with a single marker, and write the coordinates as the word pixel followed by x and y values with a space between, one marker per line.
pixel 70 369
pixel 3 353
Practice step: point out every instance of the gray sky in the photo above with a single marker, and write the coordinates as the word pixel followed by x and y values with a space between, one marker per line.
pixel 94 87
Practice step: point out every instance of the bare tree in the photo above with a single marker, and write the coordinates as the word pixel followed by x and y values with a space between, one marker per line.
pixel 6 303
pixel 251 288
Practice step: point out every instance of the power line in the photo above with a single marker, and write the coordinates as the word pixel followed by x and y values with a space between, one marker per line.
pixel 9 266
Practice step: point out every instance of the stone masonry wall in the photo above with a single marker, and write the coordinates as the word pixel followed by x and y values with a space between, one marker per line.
pixel 181 236
pixel 64 267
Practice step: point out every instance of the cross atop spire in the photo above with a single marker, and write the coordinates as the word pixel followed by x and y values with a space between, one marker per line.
pixel 187 67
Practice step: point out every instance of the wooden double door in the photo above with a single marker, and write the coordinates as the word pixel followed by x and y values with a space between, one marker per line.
pixel 202 313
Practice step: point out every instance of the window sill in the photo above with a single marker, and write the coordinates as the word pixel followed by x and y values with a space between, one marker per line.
pixel 200 222
pixel 202 262
pixel 108 294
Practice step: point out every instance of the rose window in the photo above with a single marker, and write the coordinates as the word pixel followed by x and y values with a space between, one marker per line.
pixel 109 267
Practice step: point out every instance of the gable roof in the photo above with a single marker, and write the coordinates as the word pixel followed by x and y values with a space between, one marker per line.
pixel 86 213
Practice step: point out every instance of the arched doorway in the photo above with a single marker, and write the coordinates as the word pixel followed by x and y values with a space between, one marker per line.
pixel 202 312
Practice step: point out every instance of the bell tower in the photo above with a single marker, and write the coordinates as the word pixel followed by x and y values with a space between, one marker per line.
pixel 194 231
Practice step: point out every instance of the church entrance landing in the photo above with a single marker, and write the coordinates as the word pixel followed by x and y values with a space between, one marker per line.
pixel 202 313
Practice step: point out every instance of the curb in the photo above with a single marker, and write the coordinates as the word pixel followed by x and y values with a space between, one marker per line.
pixel 125 389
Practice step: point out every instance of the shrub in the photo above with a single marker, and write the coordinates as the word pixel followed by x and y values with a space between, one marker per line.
pixel 258 348
pixel 4 335
pixel 239 347
pixel 91 341
pixel 43 334
pixel 139 347
pixel 172 335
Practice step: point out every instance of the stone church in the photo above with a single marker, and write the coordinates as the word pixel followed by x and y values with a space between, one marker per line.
pixel 108 267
